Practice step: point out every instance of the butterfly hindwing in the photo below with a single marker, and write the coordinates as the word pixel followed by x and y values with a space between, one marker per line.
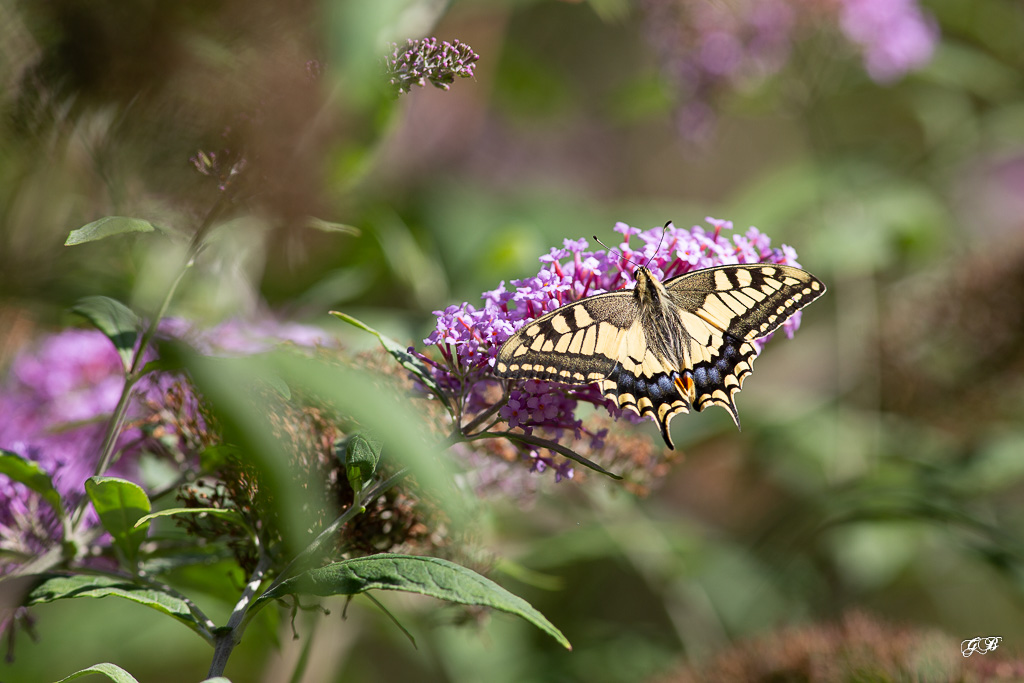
pixel 724 309
pixel 661 348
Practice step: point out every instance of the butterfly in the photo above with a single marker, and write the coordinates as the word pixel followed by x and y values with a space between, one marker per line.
pixel 663 347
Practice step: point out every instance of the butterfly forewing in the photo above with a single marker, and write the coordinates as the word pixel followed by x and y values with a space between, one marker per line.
pixel 659 349
pixel 577 344
pixel 747 300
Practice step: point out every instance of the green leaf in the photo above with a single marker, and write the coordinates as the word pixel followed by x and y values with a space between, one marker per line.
pixel 226 385
pixel 60 587
pixel 330 226
pixel 216 512
pixel 202 567
pixel 400 353
pixel 279 385
pixel 115 320
pixel 107 227
pixel 424 575
pixel 361 457
pixel 30 474
pixel 160 365
pixel 213 458
pixel 111 671
pixel 611 11
pixel 120 504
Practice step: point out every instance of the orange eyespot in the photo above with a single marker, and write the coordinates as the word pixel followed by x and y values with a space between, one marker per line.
pixel 684 383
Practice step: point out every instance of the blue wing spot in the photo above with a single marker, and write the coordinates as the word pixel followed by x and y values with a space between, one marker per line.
pixel 625 382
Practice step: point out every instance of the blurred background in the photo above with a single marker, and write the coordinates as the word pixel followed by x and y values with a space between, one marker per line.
pixel 880 470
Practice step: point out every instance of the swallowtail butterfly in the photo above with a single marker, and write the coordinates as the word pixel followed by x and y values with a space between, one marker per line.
pixel 663 347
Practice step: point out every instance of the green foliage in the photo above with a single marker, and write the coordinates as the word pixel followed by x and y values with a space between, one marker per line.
pixel 424 575
pixel 361 456
pixel 879 464
pixel 216 512
pixel 111 671
pixel 120 505
pixel 31 475
pixel 57 587
pixel 115 320
pixel 107 227
pixel 398 351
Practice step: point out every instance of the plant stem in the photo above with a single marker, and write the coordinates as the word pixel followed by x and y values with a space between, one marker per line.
pixel 229 636
pixel 484 416
pixel 544 443
pixel 137 370
pixel 357 507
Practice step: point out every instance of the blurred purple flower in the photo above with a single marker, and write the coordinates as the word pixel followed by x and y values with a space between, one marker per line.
pixel 468 338
pixel 243 337
pixel 708 47
pixel 53 410
pixel 56 402
pixel 894 35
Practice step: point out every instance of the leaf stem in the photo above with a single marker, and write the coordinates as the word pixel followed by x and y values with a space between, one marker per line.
pixel 227 637
pixel 137 370
pixel 545 443
pixel 484 416
pixel 309 552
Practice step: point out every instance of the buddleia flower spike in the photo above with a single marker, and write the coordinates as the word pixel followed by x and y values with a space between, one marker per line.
pixel 661 348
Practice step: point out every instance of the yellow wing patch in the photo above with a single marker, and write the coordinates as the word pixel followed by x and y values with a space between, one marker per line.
pixel 662 348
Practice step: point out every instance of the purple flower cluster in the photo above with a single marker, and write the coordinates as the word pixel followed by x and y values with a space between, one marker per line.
pixel 428 59
pixel 707 47
pixel 238 337
pixel 894 35
pixel 53 410
pixel 468 338
pixel 56 402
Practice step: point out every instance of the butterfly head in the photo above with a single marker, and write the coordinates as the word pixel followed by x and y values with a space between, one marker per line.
pixel 649 289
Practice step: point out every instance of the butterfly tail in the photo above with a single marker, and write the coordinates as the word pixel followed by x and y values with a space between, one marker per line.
pixel 716 382
pixel 657 396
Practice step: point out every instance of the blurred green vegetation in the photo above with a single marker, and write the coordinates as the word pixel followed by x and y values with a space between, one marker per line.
pixel 881 462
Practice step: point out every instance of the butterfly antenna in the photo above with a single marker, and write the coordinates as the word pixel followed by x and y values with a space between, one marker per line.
pixel 615 251
pixel 664 230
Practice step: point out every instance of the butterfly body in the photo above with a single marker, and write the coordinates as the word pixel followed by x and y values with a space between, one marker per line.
pixel 663 347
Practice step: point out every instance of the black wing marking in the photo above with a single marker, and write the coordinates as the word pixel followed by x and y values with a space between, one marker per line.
pixel 710 316
pixel 748 301
pixel 577 344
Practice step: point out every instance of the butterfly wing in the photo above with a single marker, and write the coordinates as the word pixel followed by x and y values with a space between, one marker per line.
pixel 749 301
pixel 723 310
pixel 643 380
pixel 692 348
pixel 599 339
pixel 577 344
